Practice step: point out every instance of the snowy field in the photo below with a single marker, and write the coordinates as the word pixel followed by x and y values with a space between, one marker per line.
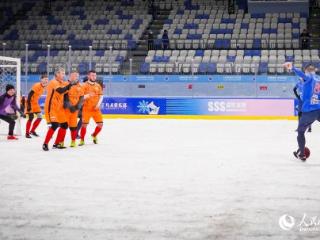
pixel 162 179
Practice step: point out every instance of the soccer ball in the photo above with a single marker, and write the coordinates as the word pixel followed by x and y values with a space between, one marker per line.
pixel 307 152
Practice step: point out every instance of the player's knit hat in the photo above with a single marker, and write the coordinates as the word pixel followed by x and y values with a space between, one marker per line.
pixel 9 87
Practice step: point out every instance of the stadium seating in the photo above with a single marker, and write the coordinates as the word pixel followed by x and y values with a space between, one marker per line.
pixel 102 60
pixel 204 38
pixel 212 27
pixel 79 24
pixel 226 61
pixel 8 10
pixel 97 23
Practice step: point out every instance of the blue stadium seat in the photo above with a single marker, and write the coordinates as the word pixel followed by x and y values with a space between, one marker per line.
pixel 145 67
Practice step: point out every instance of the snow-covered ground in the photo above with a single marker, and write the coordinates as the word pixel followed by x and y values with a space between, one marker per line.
pixel 162 179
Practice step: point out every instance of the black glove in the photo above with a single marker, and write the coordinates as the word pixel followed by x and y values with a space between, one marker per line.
pixel 22 114
pixel 13 116
pixel 73 109
pixel 78 107
pixel 69 86
pixel 65 105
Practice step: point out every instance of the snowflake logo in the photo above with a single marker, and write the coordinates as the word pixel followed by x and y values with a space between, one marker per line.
pixel 143 107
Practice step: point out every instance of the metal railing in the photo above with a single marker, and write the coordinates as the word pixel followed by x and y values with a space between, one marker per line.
pixel 131 67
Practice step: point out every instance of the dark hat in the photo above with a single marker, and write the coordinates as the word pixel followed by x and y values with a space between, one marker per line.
pixel 310 67
pixel 9 87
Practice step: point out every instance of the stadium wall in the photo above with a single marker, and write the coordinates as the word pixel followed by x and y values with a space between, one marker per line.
pixel 197 97
pixel 206 86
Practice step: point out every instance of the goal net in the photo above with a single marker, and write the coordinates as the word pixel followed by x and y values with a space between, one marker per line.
pixel 10 73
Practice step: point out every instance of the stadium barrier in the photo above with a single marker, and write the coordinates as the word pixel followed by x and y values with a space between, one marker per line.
pixel 206 86
pixel 226 96
pixel 197 108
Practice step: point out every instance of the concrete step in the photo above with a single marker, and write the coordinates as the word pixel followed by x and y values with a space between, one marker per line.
pixel 162 18
pixel 314 24
pixel 156 26
pixel 139 59
pixel 140 52
pixel 159 22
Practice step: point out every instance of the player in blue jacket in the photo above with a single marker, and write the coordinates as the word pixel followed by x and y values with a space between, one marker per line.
pixel 310 97
pixel 297 90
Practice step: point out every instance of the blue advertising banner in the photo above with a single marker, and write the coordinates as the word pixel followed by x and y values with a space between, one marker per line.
pixel 147 106
pixel 198 106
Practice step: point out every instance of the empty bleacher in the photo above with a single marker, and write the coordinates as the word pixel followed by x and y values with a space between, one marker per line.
pixel 205 38
pixel 78 24
pixel 226 61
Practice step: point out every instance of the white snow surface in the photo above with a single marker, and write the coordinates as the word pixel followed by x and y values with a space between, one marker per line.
pixel 161 179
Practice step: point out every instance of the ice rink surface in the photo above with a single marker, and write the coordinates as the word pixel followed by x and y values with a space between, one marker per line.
pixel 162 179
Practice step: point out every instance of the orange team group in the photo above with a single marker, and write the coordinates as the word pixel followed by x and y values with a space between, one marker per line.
pixel 63 102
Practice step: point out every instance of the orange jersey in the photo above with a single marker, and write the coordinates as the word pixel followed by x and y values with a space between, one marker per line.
pixel 38 90
pixel 95 90
pixel 54 100
pixel 74 94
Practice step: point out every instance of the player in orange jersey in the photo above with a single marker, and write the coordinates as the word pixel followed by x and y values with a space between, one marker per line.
pixel 54 111
pixel 33 107
pixel 73 101
pixel 93 97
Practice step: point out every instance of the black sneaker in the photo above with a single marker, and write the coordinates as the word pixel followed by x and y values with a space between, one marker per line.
pixel 28 135
pixel 45 147
pixel 298 156
pixel 34 134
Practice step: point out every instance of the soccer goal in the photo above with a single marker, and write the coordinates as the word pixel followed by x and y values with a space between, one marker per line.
pixel 10 73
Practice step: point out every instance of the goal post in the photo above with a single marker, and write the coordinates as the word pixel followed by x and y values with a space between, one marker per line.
pixel 10 73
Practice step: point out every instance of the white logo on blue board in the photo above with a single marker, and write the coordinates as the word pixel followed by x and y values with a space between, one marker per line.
pixel 148 108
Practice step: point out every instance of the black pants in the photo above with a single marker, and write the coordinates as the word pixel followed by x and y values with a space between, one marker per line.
pixel 299 116
pixel 305 121
pixel 11 122
pixel 165 45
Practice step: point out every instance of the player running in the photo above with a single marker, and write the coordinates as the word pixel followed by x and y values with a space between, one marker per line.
pixel 310 104
pixel 93 96
pixel 73 102
pixel 54 112
pixel 33 107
